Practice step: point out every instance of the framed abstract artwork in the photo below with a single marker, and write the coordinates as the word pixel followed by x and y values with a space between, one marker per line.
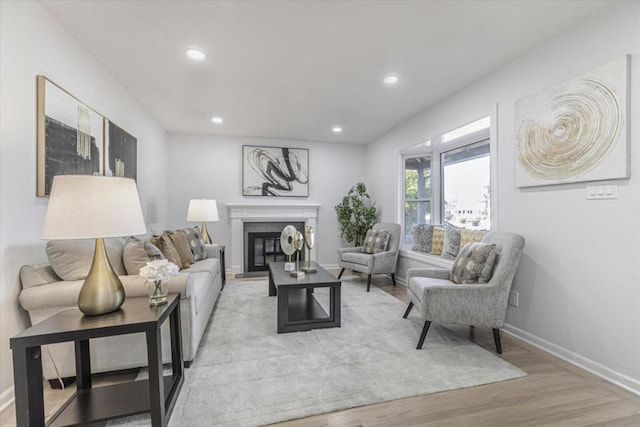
pixel 577 130
pixel 70 136
pixel 275 171
pixel 121 152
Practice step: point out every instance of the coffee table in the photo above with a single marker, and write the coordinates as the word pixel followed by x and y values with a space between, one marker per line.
pixel 158 394
pixel 298 309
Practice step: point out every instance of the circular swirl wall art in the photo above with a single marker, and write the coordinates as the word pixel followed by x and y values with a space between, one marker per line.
pixel 575 131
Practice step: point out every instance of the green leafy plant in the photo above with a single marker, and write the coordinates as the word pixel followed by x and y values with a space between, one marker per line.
pixel 356 214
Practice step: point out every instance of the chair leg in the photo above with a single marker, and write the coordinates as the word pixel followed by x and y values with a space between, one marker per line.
pixel 368 282
pixel 425 329
pixel 340 275
pixel 406 313
pixel 496 338
pixel 393 278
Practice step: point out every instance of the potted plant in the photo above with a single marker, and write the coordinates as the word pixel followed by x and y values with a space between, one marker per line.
pixel 356 214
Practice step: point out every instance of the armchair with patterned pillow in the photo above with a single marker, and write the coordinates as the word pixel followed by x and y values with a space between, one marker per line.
pixel 378 254
pixel 475 291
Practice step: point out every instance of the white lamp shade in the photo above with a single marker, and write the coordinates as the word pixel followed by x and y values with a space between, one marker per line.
pixel 202 210
pixel 89 207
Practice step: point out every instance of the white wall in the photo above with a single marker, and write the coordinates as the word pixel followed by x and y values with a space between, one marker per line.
pixel 211 167
pixel 579 277
pixel 32 43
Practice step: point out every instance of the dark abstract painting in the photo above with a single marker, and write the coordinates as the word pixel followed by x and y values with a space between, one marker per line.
pixel 121 150
pixel 69 136
pixel 275 172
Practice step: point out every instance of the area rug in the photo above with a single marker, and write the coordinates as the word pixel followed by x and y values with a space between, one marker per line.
pixel 245 374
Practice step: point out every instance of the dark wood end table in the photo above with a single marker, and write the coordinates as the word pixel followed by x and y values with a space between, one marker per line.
pixel 158 394
pixel 298 309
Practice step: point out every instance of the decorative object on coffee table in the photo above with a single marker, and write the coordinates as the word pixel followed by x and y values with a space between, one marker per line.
pixel 298 242
pixel 309 241
pixel 203 210
pixel 287 245
pixel 157 273
pixel 95 207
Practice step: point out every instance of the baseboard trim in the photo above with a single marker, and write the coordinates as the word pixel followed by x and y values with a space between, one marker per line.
pixel 6 398
pixel 621 380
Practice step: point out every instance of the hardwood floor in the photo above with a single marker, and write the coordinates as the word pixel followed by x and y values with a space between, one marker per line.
pixel 554 393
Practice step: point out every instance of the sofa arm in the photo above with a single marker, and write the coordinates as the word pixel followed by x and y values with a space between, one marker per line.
pixel 65 293
pixel 213 250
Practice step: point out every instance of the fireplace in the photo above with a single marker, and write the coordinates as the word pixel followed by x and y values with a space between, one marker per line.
pixel 262 244
pixel 251 217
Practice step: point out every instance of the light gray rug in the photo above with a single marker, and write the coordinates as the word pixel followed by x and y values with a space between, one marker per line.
pixel 247 375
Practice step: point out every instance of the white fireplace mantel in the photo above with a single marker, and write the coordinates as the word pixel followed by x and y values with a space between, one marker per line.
pixel 239 213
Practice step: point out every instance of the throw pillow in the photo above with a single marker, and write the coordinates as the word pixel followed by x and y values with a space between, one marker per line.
pixel 164 243
pixel 437 241
pixel 196 244
pixel 181 243
pixel 467 236
pixel 451 243
pixel 474 263
pixel 137 253
pixel 71 259
pixel 376 241
pixel 422 238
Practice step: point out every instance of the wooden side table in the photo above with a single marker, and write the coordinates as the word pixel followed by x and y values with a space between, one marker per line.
pixel 158 394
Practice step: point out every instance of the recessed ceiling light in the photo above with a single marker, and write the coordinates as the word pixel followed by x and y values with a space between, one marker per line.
pixel 196 54
pixel 390 80
pixel 217 120
pixel 336 129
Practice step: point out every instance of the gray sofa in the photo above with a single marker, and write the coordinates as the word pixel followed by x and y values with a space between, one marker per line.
pixel 44 294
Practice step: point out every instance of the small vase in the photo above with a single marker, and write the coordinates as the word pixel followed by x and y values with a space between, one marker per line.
pixel 157 292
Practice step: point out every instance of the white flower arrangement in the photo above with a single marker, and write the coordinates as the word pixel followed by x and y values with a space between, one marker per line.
pixel 159 270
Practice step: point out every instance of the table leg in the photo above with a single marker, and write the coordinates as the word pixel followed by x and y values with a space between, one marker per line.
pixel 27 377
pixel 83 364
pixel 272 286
pixel 283 308
pixel 336 303
pixel 177 364
pixel 156 381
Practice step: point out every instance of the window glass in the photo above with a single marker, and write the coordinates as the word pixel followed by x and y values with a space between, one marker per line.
pixel 417 193
pixel 466 186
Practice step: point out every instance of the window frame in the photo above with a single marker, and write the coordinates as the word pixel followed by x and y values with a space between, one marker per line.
pixel 434 147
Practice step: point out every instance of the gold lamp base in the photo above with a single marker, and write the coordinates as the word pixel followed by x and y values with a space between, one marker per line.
pixel 205 235
pixel 102 291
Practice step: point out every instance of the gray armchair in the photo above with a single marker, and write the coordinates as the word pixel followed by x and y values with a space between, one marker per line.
pixel 378 263
pixel 442 301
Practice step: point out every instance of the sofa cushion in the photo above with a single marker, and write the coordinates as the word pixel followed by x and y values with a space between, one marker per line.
pixel 164 243
pixel 376 241
pixel 356 258
pixel 209 265
pixel 451 243
pixel 474 263
pixel 181 243
pixel 437 241
pixel 422 238
pixel 34 275
pixel 71 259
pixel 137 253
pixel 196 243
pixel 468 236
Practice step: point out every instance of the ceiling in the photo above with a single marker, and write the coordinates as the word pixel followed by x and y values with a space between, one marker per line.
pixel 295 69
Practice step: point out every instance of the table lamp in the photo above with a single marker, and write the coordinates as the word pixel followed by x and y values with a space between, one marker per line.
pixel 203 210
pixel 95 207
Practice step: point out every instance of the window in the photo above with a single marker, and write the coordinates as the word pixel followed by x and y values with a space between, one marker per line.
pixel 448 180
pixel 417 193
pixel 466 186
